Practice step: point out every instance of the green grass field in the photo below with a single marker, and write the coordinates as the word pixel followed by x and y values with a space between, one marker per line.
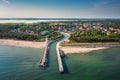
pixel 64 43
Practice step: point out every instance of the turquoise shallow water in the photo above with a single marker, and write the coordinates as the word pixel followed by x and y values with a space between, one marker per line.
pixel 18 63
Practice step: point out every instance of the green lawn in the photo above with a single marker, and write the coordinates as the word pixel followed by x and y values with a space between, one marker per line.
pixel 64 43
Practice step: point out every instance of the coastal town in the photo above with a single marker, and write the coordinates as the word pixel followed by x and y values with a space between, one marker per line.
pixel 81 33
pixel 68 27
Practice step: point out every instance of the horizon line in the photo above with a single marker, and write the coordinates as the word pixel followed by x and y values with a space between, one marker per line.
pixel 55 18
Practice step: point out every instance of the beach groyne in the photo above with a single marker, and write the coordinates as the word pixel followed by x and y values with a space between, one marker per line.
pixel 44 58
pixel 60 65
pixel 60 55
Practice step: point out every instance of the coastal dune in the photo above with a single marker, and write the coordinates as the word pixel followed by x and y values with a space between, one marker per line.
pixel 21 43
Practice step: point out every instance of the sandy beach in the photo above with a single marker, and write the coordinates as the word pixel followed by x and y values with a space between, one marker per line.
pixel 32 44
pixel 71 50
pixel 20 43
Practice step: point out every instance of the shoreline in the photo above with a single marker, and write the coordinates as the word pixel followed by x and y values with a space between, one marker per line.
pixel 79 50
pixel 22 43
pixel 67 49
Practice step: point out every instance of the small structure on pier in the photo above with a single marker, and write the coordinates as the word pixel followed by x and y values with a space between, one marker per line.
pixel 62 54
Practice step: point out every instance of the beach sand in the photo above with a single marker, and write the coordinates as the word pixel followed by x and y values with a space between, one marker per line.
pixel 72 50
pixel 32 44
pixel 21 43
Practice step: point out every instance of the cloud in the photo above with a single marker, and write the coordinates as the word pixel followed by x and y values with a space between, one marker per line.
pixel 5 1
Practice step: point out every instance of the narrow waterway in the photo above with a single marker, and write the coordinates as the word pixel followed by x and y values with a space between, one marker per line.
pixel 52 53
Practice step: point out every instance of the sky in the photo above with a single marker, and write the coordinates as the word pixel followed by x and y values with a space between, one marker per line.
pixel 59 8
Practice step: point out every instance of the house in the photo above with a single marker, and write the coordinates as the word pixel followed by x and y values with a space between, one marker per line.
pixel 108 33
pixel 118 30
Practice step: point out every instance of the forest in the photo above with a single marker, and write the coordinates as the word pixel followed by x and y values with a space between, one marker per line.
pixel 94 36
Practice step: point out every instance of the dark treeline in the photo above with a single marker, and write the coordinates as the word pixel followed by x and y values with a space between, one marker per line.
pixel 94 36
pixel 114 24
pixel 8 26
pixel 18 36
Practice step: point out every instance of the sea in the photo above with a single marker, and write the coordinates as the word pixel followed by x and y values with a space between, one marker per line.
pixel 17 63
pixel 35 20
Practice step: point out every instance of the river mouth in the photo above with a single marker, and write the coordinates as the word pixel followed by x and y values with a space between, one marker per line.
pixel 18 63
